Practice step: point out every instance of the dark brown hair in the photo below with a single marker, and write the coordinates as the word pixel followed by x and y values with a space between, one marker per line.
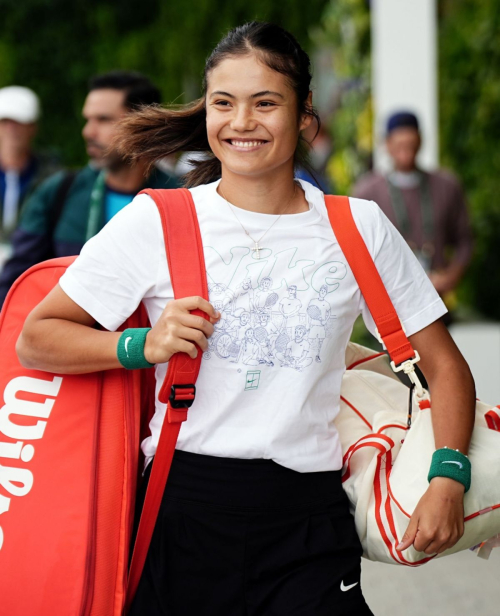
pixel 154 132
pixel 138 89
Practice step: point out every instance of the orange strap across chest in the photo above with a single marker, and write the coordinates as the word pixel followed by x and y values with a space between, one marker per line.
pixel 361 263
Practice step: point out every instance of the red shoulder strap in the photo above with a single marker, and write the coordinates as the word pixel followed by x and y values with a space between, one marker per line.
pixel 186 265
pixel 361 263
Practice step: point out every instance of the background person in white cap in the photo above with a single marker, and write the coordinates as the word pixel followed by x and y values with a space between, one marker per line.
pixel 21 170
pixel 71 206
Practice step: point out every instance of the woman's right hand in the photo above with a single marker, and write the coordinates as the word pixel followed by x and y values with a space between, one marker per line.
pixel 179 331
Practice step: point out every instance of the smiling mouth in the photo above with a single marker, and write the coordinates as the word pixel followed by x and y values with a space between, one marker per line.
pixel 246 144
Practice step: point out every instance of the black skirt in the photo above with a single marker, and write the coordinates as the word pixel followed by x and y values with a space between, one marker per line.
pixel 251 538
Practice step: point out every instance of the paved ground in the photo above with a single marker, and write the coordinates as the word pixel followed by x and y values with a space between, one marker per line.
pixel 480 345
pixel 458 585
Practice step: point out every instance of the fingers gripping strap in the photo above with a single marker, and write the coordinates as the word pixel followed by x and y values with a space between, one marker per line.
pixel 370 283
pixel 187 272
pixel 186 265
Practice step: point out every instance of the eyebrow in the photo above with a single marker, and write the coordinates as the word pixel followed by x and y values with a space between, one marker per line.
pixel 267 93
pixel 100 117
pixel 257 95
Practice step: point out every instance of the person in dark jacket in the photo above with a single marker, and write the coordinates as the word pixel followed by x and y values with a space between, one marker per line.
pixel 69 208
pixel 22 168
pixel 428 208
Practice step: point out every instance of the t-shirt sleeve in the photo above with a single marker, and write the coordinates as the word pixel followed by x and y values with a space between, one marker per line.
pixel 118 267
pixel 410 289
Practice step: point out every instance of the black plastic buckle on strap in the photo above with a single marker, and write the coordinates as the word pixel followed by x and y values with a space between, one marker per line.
pixel 183 402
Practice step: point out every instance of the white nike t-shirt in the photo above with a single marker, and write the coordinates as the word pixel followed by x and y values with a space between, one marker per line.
pixel 269 384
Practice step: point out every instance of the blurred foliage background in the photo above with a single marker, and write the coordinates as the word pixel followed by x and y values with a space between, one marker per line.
pixel 469 80
pixel 469 120
pixel 345 32
pixel 53 46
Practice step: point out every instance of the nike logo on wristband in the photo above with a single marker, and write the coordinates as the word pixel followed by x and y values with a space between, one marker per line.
pixel 452 462
pixel 127 340
pixel 345 588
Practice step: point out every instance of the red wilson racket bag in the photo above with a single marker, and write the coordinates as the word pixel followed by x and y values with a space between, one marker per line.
pixel 69 453
pixel 69 448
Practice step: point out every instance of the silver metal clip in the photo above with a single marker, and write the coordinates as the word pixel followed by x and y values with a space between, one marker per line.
pixel 408 367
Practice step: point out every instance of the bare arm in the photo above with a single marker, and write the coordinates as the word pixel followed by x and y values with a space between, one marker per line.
pixel 438 520
pixel 59 336
pixel 451 386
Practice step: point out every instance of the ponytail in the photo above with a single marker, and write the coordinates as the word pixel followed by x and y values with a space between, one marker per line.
pixel 153 132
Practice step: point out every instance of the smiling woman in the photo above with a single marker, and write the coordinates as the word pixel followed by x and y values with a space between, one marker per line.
pixel 256 98
pixel 254 520
pixel 253 127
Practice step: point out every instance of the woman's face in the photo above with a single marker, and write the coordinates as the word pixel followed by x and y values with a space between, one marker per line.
pixel 252 121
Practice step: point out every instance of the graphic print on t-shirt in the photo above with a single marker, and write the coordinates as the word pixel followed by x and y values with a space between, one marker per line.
pixel 275 310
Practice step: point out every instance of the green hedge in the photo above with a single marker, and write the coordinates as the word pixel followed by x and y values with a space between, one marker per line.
pixel 469 87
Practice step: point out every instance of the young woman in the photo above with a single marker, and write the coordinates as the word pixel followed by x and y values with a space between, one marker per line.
pixel 254 520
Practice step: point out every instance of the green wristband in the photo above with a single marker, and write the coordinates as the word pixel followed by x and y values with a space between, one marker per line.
pixel 130 348
pixel 451 463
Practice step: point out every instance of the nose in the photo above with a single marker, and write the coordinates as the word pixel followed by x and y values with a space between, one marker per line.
pixel 88 131
pixel 242 119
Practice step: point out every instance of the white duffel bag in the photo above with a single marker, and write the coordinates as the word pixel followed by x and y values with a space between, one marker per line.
pixel 386 465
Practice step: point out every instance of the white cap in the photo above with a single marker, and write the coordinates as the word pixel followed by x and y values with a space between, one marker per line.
pixel 19 104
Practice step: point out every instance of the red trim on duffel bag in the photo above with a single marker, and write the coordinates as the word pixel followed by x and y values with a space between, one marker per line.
pixel 377 488
pixel 391 494
pixel 364 441
pixel 392 525
pixel 357 412
pixel 362 361
pixel 492 419
pixel 387 426
pixel 347 472
pixel 482 512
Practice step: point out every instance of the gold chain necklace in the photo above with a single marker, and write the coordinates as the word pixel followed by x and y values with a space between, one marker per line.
pixel 256 249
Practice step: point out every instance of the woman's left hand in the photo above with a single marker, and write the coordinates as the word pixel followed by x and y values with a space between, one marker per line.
pixel 438 520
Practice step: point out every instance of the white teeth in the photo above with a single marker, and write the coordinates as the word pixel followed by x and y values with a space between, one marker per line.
pixel 246 144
